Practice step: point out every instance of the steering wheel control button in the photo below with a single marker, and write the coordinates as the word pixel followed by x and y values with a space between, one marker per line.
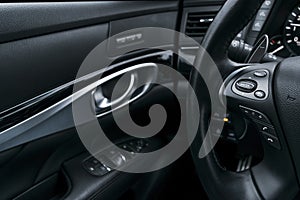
pixel 246 111
pixel 260 94
pixel 246 85
pixel 266 129
pixel 260 74
pixel 273 141
pixel 255 115
pixel 264 126
pixel 262 118
pixel 252 85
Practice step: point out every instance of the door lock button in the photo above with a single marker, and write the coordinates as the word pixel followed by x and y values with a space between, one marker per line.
pixel 246 85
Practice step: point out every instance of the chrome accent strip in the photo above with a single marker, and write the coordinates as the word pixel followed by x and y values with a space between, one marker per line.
pixel 36 119
pixel 190 48
pixel 35 100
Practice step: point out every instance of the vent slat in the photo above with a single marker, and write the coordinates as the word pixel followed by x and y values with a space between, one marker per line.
pixel 198 23
pixel 195 34
pixel 196 28
pixel 203 15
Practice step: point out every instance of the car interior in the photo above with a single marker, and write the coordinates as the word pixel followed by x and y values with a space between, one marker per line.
pixel 246 82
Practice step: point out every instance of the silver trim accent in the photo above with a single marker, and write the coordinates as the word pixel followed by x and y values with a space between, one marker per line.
pixel 150 77
pixel 190 48
pixel 38 118
pixel 103 102
pixel 34 100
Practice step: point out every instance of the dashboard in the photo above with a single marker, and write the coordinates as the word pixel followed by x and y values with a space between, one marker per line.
pixel 280 20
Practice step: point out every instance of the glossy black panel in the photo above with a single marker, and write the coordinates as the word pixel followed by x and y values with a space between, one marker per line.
pixel 33 66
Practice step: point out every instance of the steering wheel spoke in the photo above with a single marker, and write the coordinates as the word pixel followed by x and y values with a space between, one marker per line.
pixel 249 94
pixel 252 93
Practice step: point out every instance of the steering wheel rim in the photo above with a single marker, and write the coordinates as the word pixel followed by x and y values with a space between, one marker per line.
pixel 263 182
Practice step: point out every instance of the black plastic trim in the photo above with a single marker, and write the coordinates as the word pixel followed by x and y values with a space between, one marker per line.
pixel 23 20
pixel 190 3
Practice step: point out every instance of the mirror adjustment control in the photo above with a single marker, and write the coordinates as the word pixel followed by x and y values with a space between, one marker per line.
pixel 112 157
pixel 246 85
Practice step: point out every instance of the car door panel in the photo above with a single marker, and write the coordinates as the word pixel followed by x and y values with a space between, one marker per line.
pixel 42 47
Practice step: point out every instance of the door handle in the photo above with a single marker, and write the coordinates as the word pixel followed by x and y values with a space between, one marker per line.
pixel 145 73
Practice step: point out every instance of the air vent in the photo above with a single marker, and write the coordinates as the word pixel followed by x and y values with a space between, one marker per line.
pixel 198 23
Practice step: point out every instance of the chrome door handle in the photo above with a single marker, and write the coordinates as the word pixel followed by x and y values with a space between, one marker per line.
pixel 145 73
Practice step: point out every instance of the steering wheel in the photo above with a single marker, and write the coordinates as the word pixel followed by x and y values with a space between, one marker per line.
pixel 268 95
